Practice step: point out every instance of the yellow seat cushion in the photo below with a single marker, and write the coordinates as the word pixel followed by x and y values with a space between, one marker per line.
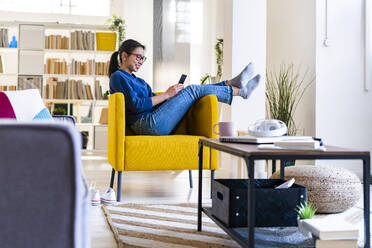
pixel 171 152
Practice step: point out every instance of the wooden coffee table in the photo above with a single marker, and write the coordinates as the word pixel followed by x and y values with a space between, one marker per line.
pixel 250 153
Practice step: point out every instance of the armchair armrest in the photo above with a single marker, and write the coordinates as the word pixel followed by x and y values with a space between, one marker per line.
pixel 202 116
pixel 116 131
pixel 65 119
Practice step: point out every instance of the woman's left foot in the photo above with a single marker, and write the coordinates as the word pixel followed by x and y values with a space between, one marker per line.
pixel 242 79
pixel 246 91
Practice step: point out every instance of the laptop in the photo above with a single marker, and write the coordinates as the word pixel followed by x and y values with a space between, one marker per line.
pixel 247 139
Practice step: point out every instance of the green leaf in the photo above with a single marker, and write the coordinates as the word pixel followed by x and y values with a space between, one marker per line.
pixel 305 210
pixel 284 91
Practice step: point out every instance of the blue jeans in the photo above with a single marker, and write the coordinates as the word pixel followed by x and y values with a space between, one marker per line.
pixel 163 119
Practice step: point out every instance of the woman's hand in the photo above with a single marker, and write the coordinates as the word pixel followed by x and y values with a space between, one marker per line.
pixel 173 90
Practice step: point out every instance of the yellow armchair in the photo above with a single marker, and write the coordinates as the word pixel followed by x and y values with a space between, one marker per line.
pixel 172 152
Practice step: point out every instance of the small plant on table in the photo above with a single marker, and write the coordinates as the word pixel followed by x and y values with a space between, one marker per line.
pixel 304 211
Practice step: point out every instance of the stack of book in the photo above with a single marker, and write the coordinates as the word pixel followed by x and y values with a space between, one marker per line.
pixel 56 66
pixel 81 40
pixel 68 89
pixel 292 143
pixel 332 232
pixel 57 42
pixel 81 67
pixel 101 68
pixel 298 144
pixel 4 37
pixel 7 87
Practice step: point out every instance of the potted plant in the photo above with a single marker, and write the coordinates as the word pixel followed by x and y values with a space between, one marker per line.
pixel 117 24
pixel 207 78
pixel 284 91
pixel 304 211
pixel 59 111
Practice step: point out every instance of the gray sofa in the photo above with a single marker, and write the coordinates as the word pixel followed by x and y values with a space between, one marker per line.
pixel 44 196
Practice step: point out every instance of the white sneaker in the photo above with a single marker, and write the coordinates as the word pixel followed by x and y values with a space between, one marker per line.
pixel 94 197
pixel 109 196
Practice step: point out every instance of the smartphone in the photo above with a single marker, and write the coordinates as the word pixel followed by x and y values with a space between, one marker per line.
pixel 182 79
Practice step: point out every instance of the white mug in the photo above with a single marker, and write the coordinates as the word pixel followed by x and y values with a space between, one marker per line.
pixel 225 128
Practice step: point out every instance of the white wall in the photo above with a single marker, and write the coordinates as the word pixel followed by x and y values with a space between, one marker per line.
pixel 291 39
pixel 343 108
pixel 244 33
pixel 248 43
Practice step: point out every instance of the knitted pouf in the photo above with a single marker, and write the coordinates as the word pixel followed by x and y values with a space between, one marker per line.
pixel 329 189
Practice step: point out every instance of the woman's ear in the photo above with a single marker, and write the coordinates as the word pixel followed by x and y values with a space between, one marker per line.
pixel 124 56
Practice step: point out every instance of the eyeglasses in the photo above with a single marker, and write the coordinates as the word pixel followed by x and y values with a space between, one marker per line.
pixel 139 57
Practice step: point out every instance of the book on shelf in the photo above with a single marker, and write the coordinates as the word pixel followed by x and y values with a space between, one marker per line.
pixel 98 90
pixel 81 40
pixel 8 87
pixel 12 87
pixel 1 65
pixel 101 68
pixel 56 66
pixel 351 243
pixel 331 228
pixel 4 37
pixel 68 89
pixel 56 42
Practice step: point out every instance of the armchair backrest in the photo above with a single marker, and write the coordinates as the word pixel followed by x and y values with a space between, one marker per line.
pixel 44 194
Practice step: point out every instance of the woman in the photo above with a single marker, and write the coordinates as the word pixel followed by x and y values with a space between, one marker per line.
pixel 150 114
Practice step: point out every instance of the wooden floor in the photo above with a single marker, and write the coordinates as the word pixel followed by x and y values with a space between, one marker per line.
pixel 138 187
pixel 141 187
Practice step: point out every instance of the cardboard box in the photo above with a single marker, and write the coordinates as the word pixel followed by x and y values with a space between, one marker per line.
pixel 106 41
pixel 103 119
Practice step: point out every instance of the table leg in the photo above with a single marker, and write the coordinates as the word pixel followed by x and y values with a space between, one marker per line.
pixel 282 166
pixel 366 185
pixel 251 200
pixel 273 166
pixel 200 186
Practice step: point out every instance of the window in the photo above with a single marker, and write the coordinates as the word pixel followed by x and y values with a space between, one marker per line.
pixel 72 7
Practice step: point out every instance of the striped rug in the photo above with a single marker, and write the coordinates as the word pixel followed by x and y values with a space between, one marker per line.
pixel 163 226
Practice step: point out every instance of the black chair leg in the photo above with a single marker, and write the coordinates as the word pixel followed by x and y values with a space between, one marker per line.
pixel 119 186
pixel 112 178
pixel 212 178
pixel 190 179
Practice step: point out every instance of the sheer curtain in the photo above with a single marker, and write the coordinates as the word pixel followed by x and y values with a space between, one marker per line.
pixel 184 37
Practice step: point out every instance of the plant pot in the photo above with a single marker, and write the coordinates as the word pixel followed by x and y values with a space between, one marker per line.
pixel 303 230
pixel 289 163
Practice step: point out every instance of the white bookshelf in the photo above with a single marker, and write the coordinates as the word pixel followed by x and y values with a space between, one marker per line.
pixel 31 40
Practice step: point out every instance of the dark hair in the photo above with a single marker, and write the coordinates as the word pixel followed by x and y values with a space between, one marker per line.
pixel 127 46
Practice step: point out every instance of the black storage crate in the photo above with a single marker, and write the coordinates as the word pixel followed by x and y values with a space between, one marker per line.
pixel 274 207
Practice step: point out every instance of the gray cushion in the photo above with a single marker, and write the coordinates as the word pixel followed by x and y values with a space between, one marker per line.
pixel 329 189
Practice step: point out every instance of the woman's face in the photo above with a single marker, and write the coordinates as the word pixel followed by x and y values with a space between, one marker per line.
pixel 133 61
